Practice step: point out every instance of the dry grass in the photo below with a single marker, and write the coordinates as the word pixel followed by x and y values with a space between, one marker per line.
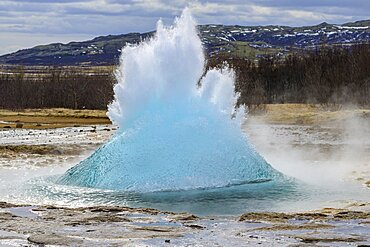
pixel 51 118
pixel 307 114
pixel 272 113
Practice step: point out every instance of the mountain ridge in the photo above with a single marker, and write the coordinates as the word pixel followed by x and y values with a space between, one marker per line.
pixel 246 41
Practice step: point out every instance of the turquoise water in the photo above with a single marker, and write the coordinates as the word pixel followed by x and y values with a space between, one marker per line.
pixel 275 195
pixel 231 200
pixel 172 154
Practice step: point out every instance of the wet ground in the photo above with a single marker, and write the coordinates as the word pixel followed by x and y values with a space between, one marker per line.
pixel 325 154
pixel 121 226
pixel 31 148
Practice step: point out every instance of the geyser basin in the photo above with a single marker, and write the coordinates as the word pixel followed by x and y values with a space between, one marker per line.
pixel 175 129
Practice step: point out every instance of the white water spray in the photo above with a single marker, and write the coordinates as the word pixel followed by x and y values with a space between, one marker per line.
pixel 173 134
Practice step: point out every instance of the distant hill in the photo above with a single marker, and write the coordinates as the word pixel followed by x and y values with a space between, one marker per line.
pixel 246 41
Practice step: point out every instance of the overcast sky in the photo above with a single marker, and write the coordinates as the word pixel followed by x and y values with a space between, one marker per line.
pixel 25 24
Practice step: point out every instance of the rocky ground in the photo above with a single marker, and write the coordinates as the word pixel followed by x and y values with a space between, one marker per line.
pixel 122 226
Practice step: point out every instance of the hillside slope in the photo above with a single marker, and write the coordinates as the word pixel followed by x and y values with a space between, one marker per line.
pixel 247 41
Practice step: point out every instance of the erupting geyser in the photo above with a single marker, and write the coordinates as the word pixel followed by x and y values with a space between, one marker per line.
pixel 175 132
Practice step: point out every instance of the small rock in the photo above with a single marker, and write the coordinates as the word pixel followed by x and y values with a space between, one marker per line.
pixel 195 226
pixel 53 239
pixel 19 125
pixel 185 217
pixel 167 241
pixel 56 152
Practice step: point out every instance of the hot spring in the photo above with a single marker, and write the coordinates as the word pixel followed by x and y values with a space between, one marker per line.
pixel 178 129
pixel 180 145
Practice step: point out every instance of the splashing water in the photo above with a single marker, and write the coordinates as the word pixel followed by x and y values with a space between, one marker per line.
pixel 175 132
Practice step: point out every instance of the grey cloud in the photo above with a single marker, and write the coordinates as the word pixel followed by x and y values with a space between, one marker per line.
pixel 313 3
pixel 101 17
pixel 46 1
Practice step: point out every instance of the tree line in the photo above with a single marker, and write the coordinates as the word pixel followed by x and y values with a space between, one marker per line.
pixel 324 75
pixel 55 87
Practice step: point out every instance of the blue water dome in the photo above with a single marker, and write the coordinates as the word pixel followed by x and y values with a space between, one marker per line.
pixel 178 127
